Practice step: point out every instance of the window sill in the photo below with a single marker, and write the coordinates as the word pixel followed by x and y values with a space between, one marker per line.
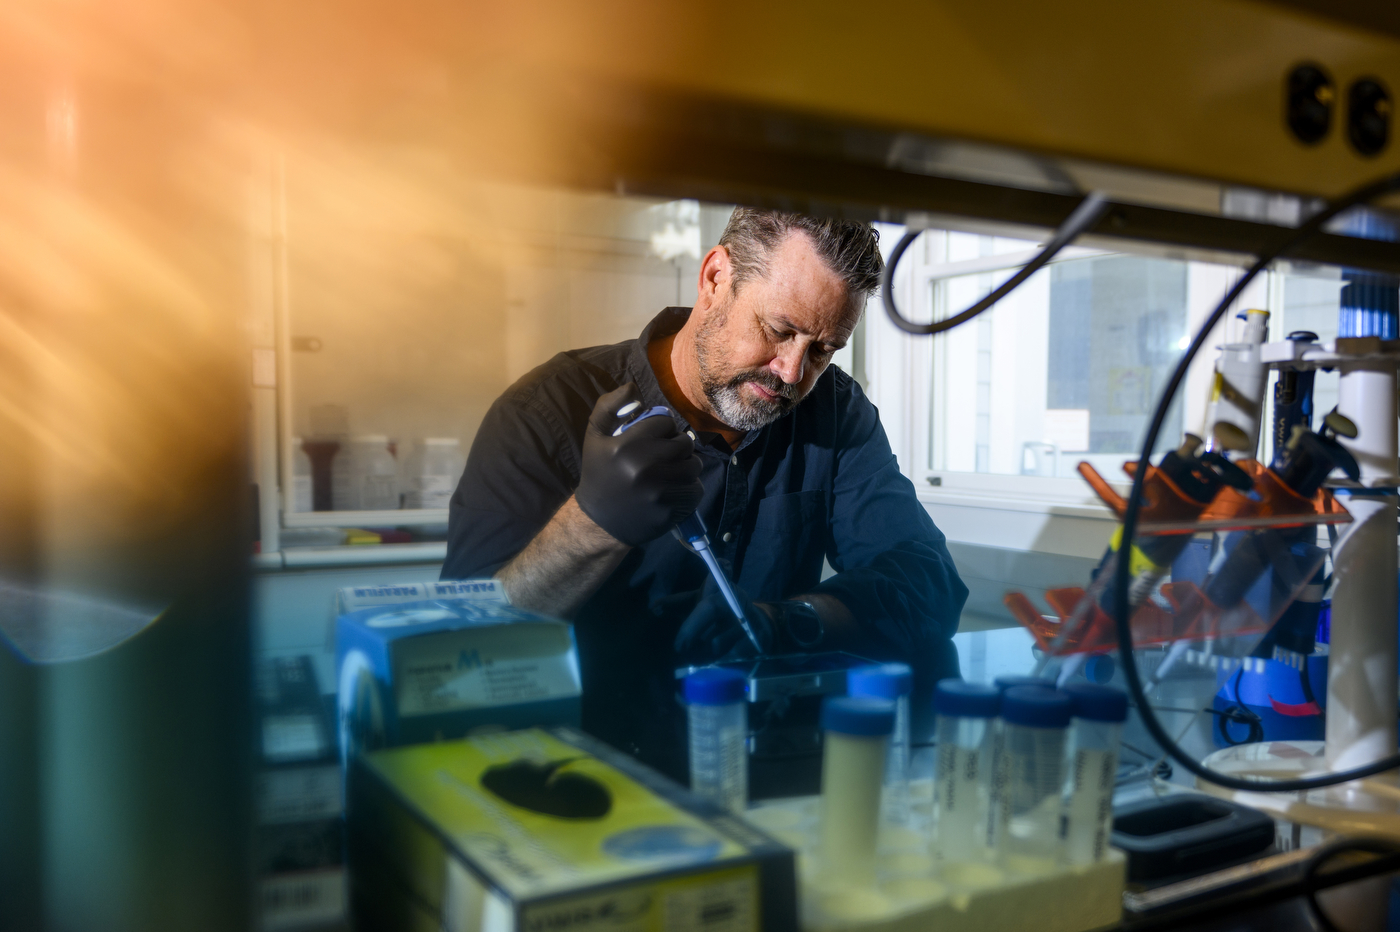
pixel 1028 494
pixel 366 555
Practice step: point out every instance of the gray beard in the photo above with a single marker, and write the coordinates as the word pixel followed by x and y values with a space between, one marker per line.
pixel 723 394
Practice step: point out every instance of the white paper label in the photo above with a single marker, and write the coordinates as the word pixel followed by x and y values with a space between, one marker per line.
pixel 960 803
pixel 294 901
pixel 429 491
pixel 299 794
pixel 715 907
pixel 293 737
pixel 1090 812
pixel 484 667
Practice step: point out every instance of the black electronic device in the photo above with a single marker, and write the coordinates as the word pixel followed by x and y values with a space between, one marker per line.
pixel 1172 837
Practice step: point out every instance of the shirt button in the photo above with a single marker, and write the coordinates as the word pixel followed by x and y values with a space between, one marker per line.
pixel 734 460
pixel 727 537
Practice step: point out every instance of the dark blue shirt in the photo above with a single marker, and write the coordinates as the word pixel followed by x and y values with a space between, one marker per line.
pixel 819 482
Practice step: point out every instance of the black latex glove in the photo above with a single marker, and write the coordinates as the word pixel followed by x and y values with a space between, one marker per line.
pixel 639 485
pixel 711 633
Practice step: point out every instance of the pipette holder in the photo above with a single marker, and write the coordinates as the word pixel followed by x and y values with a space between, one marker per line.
pixel 1180 609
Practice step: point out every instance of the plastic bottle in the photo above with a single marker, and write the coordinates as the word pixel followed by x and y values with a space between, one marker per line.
pixel 1095 732
pixel 432 472
pixel 891 682
pixel 302 499
pixel 966 732
pixel 997 827
pixel 718 721
pixel 1036 723
pixel 857 731
pixel 364 476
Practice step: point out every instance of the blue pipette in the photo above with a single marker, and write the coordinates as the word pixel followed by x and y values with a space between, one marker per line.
pixel 691 532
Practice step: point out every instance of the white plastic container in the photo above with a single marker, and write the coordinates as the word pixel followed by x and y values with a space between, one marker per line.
pixel 431 472
pixel 966 732
pixel 718 723
pixel 302 500
pixel 857 732
pixel 364 475
pixel 1036 720
pixel 1095 734
pixel 997 829
pixel 891 682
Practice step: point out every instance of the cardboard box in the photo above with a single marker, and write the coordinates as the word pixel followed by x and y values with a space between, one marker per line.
pixel 437 669
pixel 549 830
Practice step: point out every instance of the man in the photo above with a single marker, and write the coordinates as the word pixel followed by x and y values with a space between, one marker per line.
pixel 783 456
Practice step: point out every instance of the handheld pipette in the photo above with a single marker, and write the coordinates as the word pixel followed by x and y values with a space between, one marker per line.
pixel 692 533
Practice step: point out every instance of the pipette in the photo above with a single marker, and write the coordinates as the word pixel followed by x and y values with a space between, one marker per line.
pixel 692 533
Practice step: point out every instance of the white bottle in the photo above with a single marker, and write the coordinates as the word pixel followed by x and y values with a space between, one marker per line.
pixel 364 475
pixel 301 478
pixel 964 829
pixel 857 739
pixel 431 473
pixel 718 723
pixel 893 683
pixel 1095 733
pixel 1037 722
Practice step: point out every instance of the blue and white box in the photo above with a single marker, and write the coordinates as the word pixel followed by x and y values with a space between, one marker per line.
pixel 435 669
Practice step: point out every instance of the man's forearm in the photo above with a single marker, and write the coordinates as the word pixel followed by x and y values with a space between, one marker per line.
pixel 563 565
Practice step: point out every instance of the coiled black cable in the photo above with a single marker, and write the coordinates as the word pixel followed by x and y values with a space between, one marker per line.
pixel 1080 219
pixel 1239 714
pixel 1120 583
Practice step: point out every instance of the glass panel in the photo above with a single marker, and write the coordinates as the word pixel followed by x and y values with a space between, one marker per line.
pixel 416 298
pixel 1066 368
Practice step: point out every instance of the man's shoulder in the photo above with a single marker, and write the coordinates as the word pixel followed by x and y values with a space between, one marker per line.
pixel 571 378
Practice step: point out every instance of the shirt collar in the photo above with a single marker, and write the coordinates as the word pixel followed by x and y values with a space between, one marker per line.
pixel 669 321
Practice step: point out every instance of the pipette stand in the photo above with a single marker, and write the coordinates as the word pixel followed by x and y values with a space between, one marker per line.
pixel 1361 682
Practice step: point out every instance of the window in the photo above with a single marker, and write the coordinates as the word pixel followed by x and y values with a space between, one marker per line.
pixel 1070 366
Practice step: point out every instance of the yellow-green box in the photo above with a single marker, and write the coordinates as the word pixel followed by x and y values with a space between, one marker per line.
pixel 551 831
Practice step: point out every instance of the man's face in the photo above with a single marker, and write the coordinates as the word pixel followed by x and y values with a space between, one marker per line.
pixel 760 350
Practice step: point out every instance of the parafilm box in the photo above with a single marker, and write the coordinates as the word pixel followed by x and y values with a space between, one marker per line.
pixel 551 831
pixel 438 669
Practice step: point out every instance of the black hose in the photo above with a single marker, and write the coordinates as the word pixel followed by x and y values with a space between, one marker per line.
pixel 1378 846
pixel 1120 583
pixel 1080 219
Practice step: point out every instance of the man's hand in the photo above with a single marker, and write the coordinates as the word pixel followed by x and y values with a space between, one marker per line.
pixel 711 632
pixel 640 484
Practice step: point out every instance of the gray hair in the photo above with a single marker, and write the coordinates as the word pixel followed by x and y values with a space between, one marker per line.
pixel 849 248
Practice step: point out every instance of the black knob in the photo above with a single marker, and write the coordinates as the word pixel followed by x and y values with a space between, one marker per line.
pixel 1368 116
pixel 1311 94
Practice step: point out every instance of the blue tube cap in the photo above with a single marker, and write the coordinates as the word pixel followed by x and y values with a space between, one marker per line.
pixel 1098 703
pixel 715 686
pixel 1008 680
pixel 961 698
pixel 858 715
pixel 1036 707
pixel 880 680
